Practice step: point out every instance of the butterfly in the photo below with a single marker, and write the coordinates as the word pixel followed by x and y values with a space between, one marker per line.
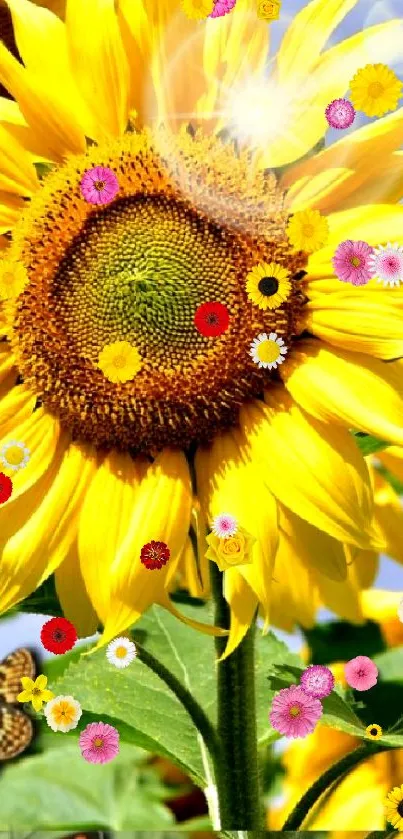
pixel 16 728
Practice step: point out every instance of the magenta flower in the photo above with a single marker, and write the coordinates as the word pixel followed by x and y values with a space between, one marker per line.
pixel 99 742
pixel 340 113
pixel 294 713
pixel 222 7
pixel 317 680
pixel 99 185
pixel 351 262
pixel 361 673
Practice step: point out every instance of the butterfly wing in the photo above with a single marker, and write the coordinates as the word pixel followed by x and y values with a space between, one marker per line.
pixel 17 664
pixel 16 732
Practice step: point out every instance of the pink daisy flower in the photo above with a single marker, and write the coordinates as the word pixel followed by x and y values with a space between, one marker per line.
pixel 224 526
pixel 99 742
pixel 294 713
pixel 99 185
pixel 351 262
pixel 222 7
pixel 386 264
pixel 340 113
pixel 361 673
pixel 317 680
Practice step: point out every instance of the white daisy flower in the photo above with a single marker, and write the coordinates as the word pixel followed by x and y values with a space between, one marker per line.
pixel 400 610
pixel 14 455
pixel 62 713
pixel 121 652
pixel 224 526
pixel 386 264
pixel 268 350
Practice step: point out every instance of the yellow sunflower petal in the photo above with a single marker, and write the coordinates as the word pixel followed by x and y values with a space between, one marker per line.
pixel 10 209
pixel 294 593
pixel 13 120
pixel 17 173
pixel 100 63
pixel 73 595
pixel 363 322
pixel 392 458
pixel 228 480
pixel 162 512
pixel 44 109
pixel 243 604
pixel 388 516
pixel 329 179
pixel 317 550
pixel 35 551
pixel 336 386
pixel 297 53
pixel 315 470
pixel 344 599
pixel 15 408
pixel 40 433
pixel 104 521
pixel 375 224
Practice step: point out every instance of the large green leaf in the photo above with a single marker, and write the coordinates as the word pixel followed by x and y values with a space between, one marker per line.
pixel 369 444
pixel 59 790
pixel 144 709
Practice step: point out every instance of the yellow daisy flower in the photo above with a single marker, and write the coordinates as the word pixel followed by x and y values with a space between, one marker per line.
pixel 373 731
pixel 119 361
pixel 394 807
pixel 35 691
pixel 308 231
pixel 375 90
pixel 197 9
pixel 268 285
pixel 193 213
pixel 13 279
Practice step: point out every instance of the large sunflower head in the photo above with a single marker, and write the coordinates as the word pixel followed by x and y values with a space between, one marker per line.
pixel 175 343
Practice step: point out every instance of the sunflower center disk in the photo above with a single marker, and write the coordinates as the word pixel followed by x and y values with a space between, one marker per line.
pixel 137 270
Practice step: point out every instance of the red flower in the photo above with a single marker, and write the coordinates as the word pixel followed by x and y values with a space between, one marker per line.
pixel 6 487
pixel 154 555
pixel 211 319
pixel 58 635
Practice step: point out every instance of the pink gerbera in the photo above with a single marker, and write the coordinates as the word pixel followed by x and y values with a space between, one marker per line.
pixel 317 680
pixel 294 713
pixel 222 7
pixel 361 673
pixel 351 262
pixel 99 185
pixel 99 742
pixel 340 113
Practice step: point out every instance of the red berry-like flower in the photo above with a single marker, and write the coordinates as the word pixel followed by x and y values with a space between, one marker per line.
pixel 211 319
pixel 6 487
pixel 154 555
pixel 58 635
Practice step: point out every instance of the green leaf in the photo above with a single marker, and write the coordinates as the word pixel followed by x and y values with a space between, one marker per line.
pixel 153 717
pixel 43 169
pixel 59 790
pixel 369 444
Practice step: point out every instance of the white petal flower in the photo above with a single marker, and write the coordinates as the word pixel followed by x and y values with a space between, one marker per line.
pixel 121 652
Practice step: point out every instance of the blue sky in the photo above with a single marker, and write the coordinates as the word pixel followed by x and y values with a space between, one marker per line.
pixel 25 629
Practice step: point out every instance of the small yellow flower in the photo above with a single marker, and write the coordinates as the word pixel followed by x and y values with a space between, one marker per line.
pixel 119 361
pixel 35 691
pixel 268 9
pixel 63 713
pixel 13 279
pixel 235 550
pixel 373 731
pixel 14 455
pixel 394 807
pixel 268 285
pixel 197 9
pixel 308 231
pixel 375 90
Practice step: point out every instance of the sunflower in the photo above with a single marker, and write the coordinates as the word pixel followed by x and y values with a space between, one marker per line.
pixel 268 285
pixel 198 206
pixel 374 731
pixel 394 807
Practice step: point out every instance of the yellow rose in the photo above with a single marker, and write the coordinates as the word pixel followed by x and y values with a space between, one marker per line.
pixel 230 552
pixel 268 10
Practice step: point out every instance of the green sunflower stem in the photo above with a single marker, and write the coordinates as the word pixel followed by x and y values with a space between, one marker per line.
pixel 334 773
pixel 238 779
